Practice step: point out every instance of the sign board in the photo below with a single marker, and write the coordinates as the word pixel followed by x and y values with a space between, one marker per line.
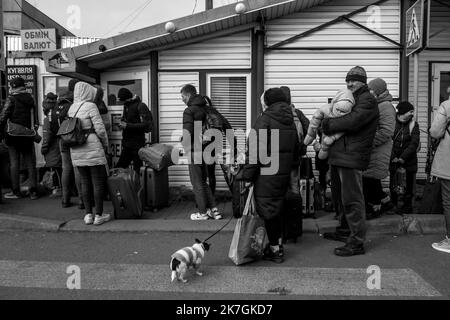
pixel 415 27
pixel 29 74
pixel 38 40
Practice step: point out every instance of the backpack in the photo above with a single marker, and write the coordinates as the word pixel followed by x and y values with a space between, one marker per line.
pixel 72 133
pixel 213 120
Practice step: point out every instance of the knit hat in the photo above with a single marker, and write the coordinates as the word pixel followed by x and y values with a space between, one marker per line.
pixel 17 82
pixel 72 84
pixel 378 86
pixel 357 74
pixel 274 95
pixel 124 94
pixel 404 107
pixel 287 93
pixel 51 96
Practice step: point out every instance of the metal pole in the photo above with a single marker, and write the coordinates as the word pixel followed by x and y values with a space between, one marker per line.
pixel 416 83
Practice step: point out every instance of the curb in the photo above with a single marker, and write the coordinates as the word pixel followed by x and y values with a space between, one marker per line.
pixel 24 223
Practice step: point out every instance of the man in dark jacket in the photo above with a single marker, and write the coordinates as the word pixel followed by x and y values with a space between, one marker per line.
pixel 19 109
pixel 270 189
pixel 404 153
pixel 349 157
pixel 194 116
pixel 137 120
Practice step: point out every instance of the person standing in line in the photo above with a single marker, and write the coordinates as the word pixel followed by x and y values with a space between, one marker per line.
pixel 198 173
pixel 89 158
pixel 404 154
pixel 19 112
pixel 270 190
pixel 440 129
pixel 382 147
pixel 349 157
pixel 136 121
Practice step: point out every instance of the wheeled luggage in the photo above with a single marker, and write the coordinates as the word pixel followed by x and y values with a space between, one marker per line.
pixel 155 185
pixel 307 196
pixel 157 156
pixel 125 193
pixel 292 218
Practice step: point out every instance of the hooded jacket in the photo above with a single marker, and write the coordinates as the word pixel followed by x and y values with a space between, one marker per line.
pixel 382 145
pixel 195 112
pixel 441 163
pixel 270 190
pixel 406 142
pixel 92 153
pixel 359 127
pixel 139 122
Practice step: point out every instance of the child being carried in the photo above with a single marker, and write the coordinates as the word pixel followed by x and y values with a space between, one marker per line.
pixel 341 105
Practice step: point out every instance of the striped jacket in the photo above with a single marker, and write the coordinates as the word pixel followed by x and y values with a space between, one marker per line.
pixel 190 255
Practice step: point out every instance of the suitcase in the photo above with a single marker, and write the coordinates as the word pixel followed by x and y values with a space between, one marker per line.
pixel 157 156
pixel 125 193
pixel 155 185
pixel 307 196
pixel 292 219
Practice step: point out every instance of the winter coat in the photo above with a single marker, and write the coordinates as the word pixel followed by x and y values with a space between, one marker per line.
pixel 50 146
pixel 139 122
pixel 441 162
pixel 194 113
pixel 382 145
pixel 406 142
pixel 92 153
pixel 270 190
pixel 359 128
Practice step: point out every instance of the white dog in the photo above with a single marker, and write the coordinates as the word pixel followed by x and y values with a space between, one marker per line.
pixel 189 257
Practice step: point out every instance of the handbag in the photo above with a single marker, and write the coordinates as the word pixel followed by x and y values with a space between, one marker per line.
pixel 18 130
pixel 432 197
pixel 250 236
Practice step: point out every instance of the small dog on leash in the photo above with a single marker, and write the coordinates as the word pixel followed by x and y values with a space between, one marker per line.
pixel 189 257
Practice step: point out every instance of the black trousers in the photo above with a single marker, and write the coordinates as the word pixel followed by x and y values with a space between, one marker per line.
pixel 373 191
pixel 211 169
pixel 127 156
pixel 274 230
pixel 409 192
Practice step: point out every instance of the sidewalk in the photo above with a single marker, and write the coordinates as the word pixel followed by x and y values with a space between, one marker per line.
pixel 46 214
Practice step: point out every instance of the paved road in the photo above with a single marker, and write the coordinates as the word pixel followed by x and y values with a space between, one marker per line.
pixel 135 266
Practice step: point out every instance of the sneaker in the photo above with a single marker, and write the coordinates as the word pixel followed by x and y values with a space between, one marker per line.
pixel 214 214
pixel 89 219
pixel 99 220
pixel 443 246
pixel 12 196
pixel 274 256
pixel 199 216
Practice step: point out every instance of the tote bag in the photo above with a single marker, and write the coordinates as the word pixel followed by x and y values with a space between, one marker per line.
pixel 250 236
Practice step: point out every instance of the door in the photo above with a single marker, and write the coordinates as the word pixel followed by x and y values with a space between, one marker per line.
pixel 440 85
pixel 112 82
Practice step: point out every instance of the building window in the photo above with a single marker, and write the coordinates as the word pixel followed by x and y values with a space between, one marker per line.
pixel 230 94
pixel 135 86
pixel 56 84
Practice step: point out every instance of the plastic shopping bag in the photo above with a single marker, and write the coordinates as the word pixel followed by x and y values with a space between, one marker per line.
pixel 250 237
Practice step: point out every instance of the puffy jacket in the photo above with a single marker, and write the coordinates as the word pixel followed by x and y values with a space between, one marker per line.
pixel 406 143
pixel 92 153
pixel 305 124
pixel 193 113
pixel 50 146
pixel 270 190
pixel 139 122
pixel 359 127
pixel 382 145
pixel 441 163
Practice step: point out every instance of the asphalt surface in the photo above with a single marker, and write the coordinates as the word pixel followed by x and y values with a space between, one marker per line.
pixel 34 265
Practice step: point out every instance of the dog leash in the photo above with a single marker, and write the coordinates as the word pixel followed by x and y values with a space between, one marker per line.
pixel 220 229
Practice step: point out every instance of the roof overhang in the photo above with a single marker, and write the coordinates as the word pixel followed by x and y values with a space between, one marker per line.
pixel 87 60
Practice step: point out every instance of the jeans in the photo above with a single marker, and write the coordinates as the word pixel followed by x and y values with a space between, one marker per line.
pixel 373 191
pixel 445 190
pixel 93 186
pixel 29 159
pixel 69 175
pixel 348 197
pixel 203 195
pixel 128 155
pixel 409 192
pixel 211 168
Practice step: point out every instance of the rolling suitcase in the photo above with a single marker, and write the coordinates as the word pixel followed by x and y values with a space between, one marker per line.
pixel 125 193
pixel 157 156
pixel 292 219
pixel 155 185
pixel 307 196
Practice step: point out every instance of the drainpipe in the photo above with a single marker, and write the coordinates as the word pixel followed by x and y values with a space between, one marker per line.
pixel 260 72
pixel 208 4
pixel 404 60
